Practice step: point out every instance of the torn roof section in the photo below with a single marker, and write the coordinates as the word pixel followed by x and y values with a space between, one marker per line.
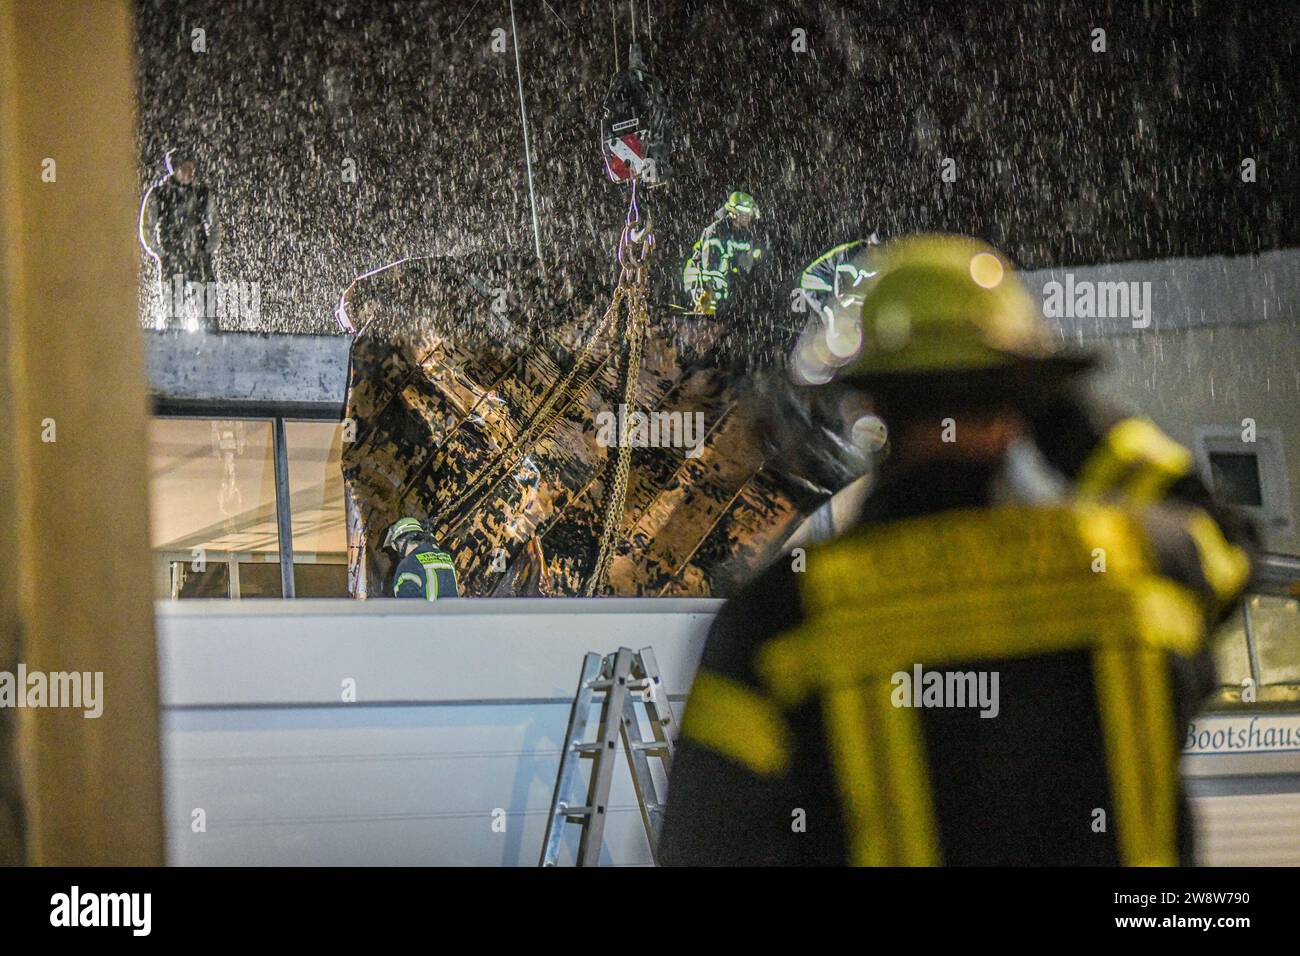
pixel 453 359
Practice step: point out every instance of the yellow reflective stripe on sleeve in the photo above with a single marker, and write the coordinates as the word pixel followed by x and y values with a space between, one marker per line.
pixel 830 253
pixel 1138 455
pixel 1226 567
pixel 1134 701
pixel 1149 485
pixel 737 722
pixel 851 732
pixel 407 576
pixel 909 778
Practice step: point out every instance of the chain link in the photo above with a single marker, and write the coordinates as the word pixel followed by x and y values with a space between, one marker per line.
pixel 637 320
pixel 635 244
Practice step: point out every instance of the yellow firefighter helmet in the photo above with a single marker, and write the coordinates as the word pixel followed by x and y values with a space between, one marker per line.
pixel 946 304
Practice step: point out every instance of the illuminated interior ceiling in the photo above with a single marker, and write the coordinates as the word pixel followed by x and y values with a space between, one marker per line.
pixel 213 487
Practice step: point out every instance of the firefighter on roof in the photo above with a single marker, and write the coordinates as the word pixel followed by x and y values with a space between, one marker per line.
pixel 838 277
pixel 727 248
pixel 983 670
pixel 179 229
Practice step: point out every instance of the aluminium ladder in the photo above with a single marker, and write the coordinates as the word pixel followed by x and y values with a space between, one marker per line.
pixel 620 677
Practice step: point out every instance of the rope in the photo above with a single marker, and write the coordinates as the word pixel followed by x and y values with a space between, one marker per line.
pixel 528 154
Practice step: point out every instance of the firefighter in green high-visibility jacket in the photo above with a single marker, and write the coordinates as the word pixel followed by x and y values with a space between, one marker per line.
pixel 727 248
pixel 838 277
pixel 423 569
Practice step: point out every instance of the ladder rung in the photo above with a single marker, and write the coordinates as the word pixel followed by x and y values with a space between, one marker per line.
pixel 651 747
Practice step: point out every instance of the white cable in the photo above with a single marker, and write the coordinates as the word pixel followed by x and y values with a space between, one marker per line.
pixel 528 154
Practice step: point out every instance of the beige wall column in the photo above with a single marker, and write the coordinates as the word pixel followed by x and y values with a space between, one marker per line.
pixel 74 412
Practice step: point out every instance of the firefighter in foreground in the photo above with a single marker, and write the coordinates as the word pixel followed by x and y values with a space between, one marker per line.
pixel 727 248
pixel 423 569
pixel 982 671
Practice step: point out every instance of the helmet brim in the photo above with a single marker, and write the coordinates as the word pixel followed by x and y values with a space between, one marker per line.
pixel 1018 381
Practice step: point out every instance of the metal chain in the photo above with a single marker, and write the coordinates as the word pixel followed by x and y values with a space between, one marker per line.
pixel 634 248
pixel 638 318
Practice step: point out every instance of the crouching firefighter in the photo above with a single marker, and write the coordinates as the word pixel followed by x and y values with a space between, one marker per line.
pixel 837 279
pixel 726 248
pixel 998 663
pixel 423 569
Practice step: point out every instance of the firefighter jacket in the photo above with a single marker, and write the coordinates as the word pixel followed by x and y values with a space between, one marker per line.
pixel 838 276
pixel 427 572
pixel 724 249
pixel 960 681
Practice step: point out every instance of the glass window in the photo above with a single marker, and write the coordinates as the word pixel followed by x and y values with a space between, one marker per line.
pixel 316 489
pixel 1236 478
pixel 214 518
pixel 1274 629
pixel 320 547
pixel 1276 625
pixel 212 501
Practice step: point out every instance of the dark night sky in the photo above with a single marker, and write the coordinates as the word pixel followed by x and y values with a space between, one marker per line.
pixel 1063 155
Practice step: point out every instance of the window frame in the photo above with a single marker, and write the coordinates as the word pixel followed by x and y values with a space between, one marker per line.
pixel 280 458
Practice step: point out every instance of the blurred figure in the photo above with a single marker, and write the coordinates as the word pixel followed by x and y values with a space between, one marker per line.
pixel 179 229
pixel 832 288
pixel 997 664
pixel 726 248
pixel 423 569
pixel 838 277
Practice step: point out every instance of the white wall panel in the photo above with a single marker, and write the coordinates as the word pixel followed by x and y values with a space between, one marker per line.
pixel 460 712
